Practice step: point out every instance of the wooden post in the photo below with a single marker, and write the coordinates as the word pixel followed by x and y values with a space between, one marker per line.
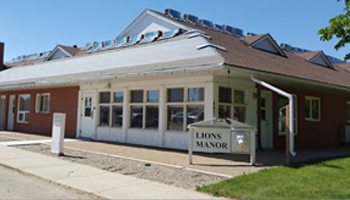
pixel 287 135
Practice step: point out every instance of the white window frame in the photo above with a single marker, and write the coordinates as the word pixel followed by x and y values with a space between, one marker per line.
pixel 144 104
pixel 184 105
pixel 232 105
pixel 319 108
pixel 295 120
pixel 38 102
pixel 110 104
pixel 22 112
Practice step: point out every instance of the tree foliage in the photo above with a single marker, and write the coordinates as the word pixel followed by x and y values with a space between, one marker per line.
pixel 338 27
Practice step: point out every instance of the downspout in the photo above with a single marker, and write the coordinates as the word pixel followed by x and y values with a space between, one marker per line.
pixel 290 97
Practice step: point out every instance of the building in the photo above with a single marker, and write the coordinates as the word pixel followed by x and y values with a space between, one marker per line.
pixel 165 71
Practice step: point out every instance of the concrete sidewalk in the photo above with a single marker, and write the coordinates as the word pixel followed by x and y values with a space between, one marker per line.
pixel 92 180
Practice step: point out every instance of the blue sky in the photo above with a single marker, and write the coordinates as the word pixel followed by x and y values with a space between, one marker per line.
pixel 35 26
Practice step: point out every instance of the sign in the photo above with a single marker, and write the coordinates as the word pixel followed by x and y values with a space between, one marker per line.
pixel 211 141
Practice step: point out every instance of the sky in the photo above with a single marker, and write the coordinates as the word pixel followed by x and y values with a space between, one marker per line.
pixel 39 25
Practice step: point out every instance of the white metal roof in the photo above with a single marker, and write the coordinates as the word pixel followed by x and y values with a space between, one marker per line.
pixel 176 53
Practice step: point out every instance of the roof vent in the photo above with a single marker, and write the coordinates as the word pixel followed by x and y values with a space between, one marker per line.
pixel 173 14
pixel 249 34
pixel 207 24
pixel 192 19
pixel 75 46
pixel 233 30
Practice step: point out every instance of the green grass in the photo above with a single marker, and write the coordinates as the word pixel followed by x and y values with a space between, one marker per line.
pixel 314 179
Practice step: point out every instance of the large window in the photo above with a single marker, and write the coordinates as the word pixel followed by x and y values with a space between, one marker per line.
pixel 282 103
pixel 144 109
pixel 42 103
pixel 23 108
pixel 312 109
pixel 111 109
pixel 235 109
pixel 184 106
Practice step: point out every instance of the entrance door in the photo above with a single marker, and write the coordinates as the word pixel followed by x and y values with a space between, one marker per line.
pixel 266 120
pixel 87 115
pixel 11 112
pixel 2 112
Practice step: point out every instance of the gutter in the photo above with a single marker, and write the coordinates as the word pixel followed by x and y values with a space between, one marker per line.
pixel 290 97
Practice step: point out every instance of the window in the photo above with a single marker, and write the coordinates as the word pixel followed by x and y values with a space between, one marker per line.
pixel 42 103
pixel 181 112
pixel 312 109
pixel 282 103
pixel 226 106
pixel 144 110
pixel 348 111
pixel 111 109
pixel 23 108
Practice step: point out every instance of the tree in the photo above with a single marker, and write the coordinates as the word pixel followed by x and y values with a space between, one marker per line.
pixel 339 27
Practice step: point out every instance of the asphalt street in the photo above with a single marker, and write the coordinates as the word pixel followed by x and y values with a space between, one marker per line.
pixel 16 185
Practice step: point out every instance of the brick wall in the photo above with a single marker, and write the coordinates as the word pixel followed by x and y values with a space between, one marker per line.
pixel 322 133
pixel 63 100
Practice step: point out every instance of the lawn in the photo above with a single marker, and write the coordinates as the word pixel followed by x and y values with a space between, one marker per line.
pixel 327 178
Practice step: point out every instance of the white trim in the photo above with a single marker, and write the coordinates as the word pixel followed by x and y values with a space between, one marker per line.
pixel 268 36
pixel 55 50
pixel 22 112
pixel 210 45
pixel 319 108
pixel 38 101
pixel 149 12
pixel 199 35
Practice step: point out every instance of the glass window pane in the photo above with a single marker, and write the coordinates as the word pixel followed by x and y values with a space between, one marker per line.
pixel 176 95
pixel 348 112
pixel 315 109
pixel 118 97
pixel 136 96
pixel 307 108
pixel 225 95
pixel 46 103
pixel 105 97
pixel 153 96
pixel 117 116
pixel 224 111
pixel 262 102
pixel 24 103
pixel 195 114
pixel 104 115
pixel 196 94
pixel 239 96
pixel 239 114
pixel 87 112
pixel 175 118
pixel 20 116
pixel 152 117
pixel 26 117
pixel 263 114
pixel 88 102
pixel 136 116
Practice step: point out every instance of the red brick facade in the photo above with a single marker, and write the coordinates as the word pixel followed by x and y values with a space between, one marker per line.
pixel 321 133
pixel 62 100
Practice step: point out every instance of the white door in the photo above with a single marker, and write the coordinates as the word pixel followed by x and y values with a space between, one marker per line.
pixel 2 112
pixel 87 115
pixel 11 112
pixel 266 121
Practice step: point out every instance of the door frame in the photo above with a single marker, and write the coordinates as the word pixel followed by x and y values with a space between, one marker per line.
pixel 11 116
pixel 267 135
pixel 3 112
pixel 82 93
